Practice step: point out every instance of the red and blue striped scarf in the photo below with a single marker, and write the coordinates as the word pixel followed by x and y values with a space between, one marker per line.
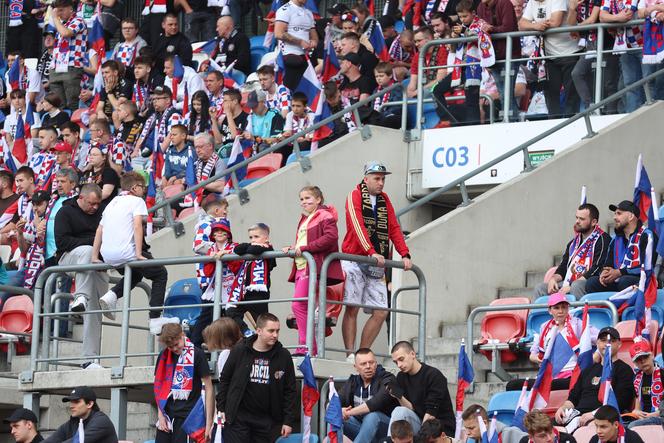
pixel 174 378
pixel 628 257
pixel 581 255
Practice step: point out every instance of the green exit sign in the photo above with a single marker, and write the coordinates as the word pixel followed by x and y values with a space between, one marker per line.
pixel 539 157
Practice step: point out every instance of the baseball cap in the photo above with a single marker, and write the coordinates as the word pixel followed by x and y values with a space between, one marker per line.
pixel 62 146
pixel 162 90
pixel 255 97
pixel 352 57
pixel 639 349
pixel 386 21
pixel 375 167
pixel 21 414
pixel 625 205
pixel 48 29
pixel 612 332
pixel 338 9
pixel 556 298
pixel 81 392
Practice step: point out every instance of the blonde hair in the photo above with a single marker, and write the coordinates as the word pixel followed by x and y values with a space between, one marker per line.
pixel 223 333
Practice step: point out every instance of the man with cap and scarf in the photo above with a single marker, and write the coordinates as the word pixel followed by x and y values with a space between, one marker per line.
pixel 648 386
pixel 583 398
pixel 23 426
pixel 371 224
pixel 86 419
pixel 632 248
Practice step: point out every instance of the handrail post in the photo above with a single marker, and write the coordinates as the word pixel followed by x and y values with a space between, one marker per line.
pixel 118 372
pixel 46 342
pixel 416 134
pixel 311 302
pixel 465 201
pixel 528 166
pixel 589 126
pixel 322 303
pixel 508 74
pixel 599 66
pixel 218 284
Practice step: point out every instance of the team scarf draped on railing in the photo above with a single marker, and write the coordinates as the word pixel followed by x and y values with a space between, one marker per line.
pixel 252 276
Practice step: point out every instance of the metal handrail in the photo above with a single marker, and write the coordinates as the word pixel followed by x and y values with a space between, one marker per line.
pixel 413 101
pixel 322 300
pixel 523 306
pixel 292 139
pixel 523 147
pixel 509 36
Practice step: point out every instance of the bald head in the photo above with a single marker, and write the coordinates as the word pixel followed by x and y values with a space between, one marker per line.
pixel 225 26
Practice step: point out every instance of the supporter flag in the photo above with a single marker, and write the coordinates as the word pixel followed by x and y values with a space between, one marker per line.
pixel 521 407
pixel 150 199
pixel 416 7
pixel 185 100
pixel 371 4
pixel 642 196
pixel 660 242
pixel 378 42
pixel 96 38
pixel 178 76
pixel 585 358
pixel 482 426
pixel 242 149
pixel 209 48
pixel 269 34
pixel 465 376
pixel 644 297
pixel 194 424
pixel 330 61
pixel 229 82
pixel 584 198
pixel 557 356
pixel 20 148
pixel 493 436
pixel 29 123
pixel 333 415
pixel 14 74
pixel 8 160
pixel 193 198
pixel 322 111
pixel 310 396
pixel 606 395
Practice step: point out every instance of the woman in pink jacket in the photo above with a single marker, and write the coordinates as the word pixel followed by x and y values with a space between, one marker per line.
pixel 317 234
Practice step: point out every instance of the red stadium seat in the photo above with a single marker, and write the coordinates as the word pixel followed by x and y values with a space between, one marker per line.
pixel 185 213
pixel 16 320
pixel 504 327
pixel 549 274
pixel 19 303
pixel 263 166
pixel 171 190
pixel 649 433
pixel 556 400
pixel 77 117
pixel 585 433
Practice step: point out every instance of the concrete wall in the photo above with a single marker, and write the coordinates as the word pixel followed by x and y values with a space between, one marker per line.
pixel 520 225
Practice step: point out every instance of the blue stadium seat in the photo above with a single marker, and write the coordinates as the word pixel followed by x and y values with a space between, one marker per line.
pixel 597 296
pixel 505 404
pixel 399 26
pixel 297 438
pixel 183 292
pixel 257 41
pixel 293 158
pixel 599 317
pixel 238 76
pixel 256 56
pixel 431 118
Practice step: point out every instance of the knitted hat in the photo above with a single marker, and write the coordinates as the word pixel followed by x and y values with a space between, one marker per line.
pixel 223 224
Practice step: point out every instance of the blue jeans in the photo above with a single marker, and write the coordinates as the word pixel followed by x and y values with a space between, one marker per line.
pixel 657 86
pixel 368 428
pixel 403 413
pixel 646 422
pixel 630 65
pixel 497 71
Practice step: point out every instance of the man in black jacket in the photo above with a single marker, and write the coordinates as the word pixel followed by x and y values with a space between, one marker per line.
pixel 421 391
pixel 171 42
pixel 23 426
pixel 75 227
pixel 366 403
pixel 257 396
pixel 232 46
pixel 97 427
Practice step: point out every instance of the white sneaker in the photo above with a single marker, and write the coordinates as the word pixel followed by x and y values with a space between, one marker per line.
pixel 91 365
pixel 109 301
pixel 156 324
pixel 351 358
pixel 79 304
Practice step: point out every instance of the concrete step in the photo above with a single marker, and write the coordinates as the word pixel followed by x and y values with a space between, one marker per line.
pixel 458 330
pixel 515 292
pixel 20 363
pixel 534 278
pixel 482 392
pixel 441 345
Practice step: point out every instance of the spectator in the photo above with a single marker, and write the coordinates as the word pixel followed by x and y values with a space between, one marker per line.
pixel 66 180
pixel 257 395
pixel 233 119
pixel 177 156
pixel 432 432
pixel 474 413
pixel 208 164
pixel 264 126
pixel 350 23
pixel 29 78
pixel 355 86
pixel 142 86
pixel 294 25
pixel 125 52
pixel 421 391
pixel 440 25
pixel 436 55
pixel 43 161
pixel 370 225
pixel 366 403
pixel 540 429
pixel 388 116
pixel 583 257
pixel 7 194
pixel 390 34
pixel 647 386
pixel 161 121
pixel 297 120
pixel 181 372
pixel 583 397
pixel 152 24
pixel 630 249
pixel 401 432
pixel 252 282
pixel 129 127
pixel 120 239
pixel 335 13
pixel 317 234
pixel 87 11
pixel 23 29
pixel 278 97
pixel 653 11
pixel 350 42
pixel 101 174
pixel 198 120
pixel 100 136
pixel 402 53
pixel 53 115
pixel 69 53
pixel 23 426
pixel 18 104
pixel 342 125
pixel 24 181
pixel 70 133
pixel 62 151
pixel 233 47
pixel 97 427
pixel 609 428
pixel 171 42
pixel 499 17
pixel 626 38
pixel 75 227
pixel 116 90
pixel 584 13
pixel 30 237
pixel 44 62
pixel 540 16
pixel 214 85
pixel 199 20
pixel 190 81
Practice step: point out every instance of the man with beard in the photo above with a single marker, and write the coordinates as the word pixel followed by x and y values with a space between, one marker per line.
pixel 632 248
pixel 583 257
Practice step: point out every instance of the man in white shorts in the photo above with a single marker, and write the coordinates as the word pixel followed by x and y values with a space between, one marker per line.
pixel 295 27
pixel 370 226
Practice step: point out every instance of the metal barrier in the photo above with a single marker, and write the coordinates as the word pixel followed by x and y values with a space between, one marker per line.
pixel 509 40
pixel 523 147
pixel 496 366
pixel 412 101
pixel 322 301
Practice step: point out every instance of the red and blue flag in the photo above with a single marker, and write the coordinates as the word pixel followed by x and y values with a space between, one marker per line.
pixel 642 196
pixel 585 358
pixel 331 65
pixel 333 415
pixel 465 376
pixel 96 39
pixel 194 424
pixel 193 198
pixel 606 395
pixel 521 407
pixel 14 74
pixel 20 148
pixel 310 396
pixel 557 356
pixel 378 42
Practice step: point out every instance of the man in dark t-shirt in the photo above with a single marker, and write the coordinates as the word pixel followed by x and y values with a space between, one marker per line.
pixel 116 90
pixel 355 86
pixel 7 197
